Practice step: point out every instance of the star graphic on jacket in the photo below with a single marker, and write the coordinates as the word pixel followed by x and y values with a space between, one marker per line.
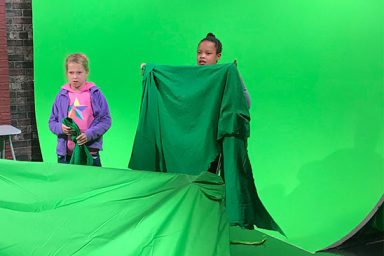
pixel 76 110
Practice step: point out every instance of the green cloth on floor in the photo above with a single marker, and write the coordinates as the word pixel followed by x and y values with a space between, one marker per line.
pixel 190 115
pixel 56 209
pixel 80 154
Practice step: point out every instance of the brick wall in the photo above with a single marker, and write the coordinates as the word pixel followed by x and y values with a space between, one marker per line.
pixel 20 63
pixel 5 116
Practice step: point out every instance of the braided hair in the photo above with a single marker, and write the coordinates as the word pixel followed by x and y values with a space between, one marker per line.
pixel 212 38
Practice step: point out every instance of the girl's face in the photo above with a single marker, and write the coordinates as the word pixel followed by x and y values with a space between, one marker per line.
pixel 206 53
pixel 76 75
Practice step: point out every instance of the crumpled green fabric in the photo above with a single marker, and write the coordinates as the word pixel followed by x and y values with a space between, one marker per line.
pixel 56 209
pixel 80 154
pixel 188 116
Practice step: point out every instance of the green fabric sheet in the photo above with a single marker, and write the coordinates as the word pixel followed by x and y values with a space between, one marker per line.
pixel 56 209
pixel 190 115
pixel 80 154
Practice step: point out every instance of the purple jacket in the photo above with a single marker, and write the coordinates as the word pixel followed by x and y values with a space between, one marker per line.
pixel 98 127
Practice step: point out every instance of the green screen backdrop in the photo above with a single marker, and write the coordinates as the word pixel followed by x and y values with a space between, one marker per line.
pixel 314 70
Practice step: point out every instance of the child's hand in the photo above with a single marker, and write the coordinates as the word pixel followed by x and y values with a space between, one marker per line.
pixel 142 66
pixel 81 139
pixel 68 131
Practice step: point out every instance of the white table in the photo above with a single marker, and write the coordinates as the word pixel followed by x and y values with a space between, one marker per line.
pixel 6 132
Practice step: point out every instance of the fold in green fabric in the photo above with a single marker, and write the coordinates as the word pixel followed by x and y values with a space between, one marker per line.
pixel 80 154
pixel 188 117
pixel 243 206
pixel 56 209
